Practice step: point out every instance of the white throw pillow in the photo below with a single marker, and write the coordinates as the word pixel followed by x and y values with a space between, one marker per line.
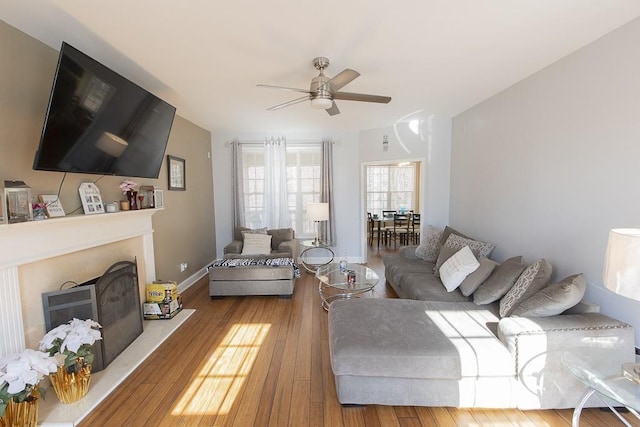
pixel 256 244
pixel 455 269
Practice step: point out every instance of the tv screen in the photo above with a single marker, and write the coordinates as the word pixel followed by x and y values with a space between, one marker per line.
pixel 101 123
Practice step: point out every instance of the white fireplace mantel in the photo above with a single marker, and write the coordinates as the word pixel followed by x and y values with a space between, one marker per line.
pixel 29 242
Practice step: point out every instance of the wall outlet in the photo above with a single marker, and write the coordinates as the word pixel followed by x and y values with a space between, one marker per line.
pixel 183 266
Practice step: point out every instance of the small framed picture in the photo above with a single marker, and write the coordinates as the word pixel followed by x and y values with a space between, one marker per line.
pixel 91 200
pixel 177 173
pixel 52 205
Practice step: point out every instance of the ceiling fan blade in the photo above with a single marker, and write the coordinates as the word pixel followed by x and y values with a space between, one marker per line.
pixel 286 104
pixel 292 89
pixel 347 96
pixel 333 110
pixel 343 78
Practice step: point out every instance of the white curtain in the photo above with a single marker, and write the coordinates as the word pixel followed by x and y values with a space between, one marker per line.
pixel 275 181
pixel 238 186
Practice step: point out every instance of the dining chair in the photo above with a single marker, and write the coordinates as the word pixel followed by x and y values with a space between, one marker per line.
pixel 399 231
pixel 414 233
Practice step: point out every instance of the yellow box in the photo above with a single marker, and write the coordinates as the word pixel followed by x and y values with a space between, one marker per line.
pixel 162 292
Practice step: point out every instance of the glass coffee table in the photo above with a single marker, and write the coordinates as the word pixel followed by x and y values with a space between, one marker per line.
pixel 593 367
pixel 352 283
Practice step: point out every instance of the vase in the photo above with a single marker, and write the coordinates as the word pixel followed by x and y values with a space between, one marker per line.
pixel 21 414
pixel 132 196
pixel 71 386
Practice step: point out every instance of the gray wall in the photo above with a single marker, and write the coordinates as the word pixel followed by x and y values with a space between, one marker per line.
pixel 548 166
pixel 184 231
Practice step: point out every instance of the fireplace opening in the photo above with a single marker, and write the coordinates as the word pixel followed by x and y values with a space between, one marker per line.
pixel 113 300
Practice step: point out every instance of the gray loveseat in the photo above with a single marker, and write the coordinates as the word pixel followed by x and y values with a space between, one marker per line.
pixel 437 348
pixel 283 244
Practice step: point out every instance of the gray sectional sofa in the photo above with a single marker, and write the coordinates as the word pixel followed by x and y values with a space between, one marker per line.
pixel 432 347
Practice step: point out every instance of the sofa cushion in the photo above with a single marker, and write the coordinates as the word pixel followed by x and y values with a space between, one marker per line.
pixel 280 235
pixel 457 268
pixel 256 244
pixel 415 339
pixel 475 279
pixel 500 281
pixel 430 244
pixel 553 299
pixel 427 287
pixel 533 278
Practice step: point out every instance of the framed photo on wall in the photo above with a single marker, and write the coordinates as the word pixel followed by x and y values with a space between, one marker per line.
pixel 177 173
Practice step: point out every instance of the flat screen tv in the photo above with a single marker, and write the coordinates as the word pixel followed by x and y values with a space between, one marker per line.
pixel 99 122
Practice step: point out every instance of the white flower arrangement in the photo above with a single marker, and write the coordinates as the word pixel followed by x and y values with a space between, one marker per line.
pixel 72 341
pixel 127 185
pixel 20 374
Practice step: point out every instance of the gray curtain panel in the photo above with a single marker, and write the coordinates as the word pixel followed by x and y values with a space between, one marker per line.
pixel 238 186
pixel 327 228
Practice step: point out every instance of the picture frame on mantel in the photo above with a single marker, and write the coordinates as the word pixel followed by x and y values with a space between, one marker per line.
pixel 177 173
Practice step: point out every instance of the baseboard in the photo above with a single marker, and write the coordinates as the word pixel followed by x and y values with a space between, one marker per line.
pixel 193 279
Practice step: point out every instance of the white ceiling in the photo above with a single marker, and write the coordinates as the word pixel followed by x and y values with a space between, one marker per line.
pixel 431 56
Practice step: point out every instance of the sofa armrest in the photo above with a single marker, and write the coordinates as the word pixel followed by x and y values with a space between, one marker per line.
pixel 536 345
pixel 408 252
pixel 234 247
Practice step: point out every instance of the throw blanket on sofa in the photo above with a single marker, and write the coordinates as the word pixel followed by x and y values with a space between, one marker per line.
pixel 273 262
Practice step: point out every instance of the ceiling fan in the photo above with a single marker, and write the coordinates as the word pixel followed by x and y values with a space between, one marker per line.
pixel 324 90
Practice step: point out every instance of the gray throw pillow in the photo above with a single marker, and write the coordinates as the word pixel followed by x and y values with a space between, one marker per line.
pixel 533 278
pixel 475 279
pixel 446 233
pixel 500 281
pixel 553 299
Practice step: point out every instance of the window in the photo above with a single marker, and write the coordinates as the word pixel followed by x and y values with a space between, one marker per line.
pixel 391 187
pixel 303 185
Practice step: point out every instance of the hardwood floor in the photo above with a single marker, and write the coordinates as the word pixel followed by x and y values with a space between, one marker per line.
pixel 264 361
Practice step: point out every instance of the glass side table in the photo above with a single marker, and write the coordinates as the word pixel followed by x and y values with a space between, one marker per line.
pixel 315 255
pixel 335 284
pixel 604 378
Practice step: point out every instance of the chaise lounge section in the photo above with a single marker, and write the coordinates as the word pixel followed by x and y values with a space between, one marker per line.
pixel 433 347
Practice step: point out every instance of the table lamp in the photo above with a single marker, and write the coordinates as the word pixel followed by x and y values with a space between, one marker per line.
pixel 622 274
pixel 318 212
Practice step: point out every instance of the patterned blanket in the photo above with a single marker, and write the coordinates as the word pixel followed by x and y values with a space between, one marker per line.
pixel 272 262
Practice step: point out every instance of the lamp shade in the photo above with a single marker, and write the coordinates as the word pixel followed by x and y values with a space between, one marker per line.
pixel 318 211
pixel 622 262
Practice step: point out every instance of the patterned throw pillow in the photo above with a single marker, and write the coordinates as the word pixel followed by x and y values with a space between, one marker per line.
pixel 477 247
pixel 533 278
pixel 429 245
pixel 256 244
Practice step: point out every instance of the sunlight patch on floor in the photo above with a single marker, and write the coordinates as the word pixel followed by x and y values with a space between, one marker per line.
pixel 216 386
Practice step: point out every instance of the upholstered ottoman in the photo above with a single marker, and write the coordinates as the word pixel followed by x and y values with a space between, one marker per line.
pixel 259 276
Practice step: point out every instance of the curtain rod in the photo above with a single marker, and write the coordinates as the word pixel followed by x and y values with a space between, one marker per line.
pixel 289 141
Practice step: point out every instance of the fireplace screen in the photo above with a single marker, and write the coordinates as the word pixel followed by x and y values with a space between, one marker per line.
pixel 113 300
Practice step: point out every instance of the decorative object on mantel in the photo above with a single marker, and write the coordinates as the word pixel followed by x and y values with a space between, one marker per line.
pixel 622 274
pixel 177 173
pixel 52 205
pixel 20 376
pixel 71 345
pixel 128 189
pixel 152 197
pixel 91 200
pixel 17 196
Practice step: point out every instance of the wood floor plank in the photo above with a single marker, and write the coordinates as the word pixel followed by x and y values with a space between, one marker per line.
pixel 222 368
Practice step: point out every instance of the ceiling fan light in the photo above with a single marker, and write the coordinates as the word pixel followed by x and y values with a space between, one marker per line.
pixel 321 103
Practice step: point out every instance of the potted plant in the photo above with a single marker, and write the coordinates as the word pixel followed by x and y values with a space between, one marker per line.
pixel 71 344
pixel 128 189
pixel 20 375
